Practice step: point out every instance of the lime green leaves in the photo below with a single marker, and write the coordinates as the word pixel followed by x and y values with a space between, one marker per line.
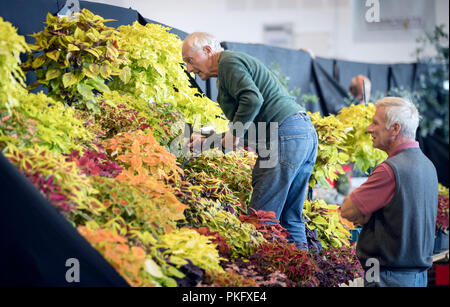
pixel 155 74
pixel 125 75
pixel 325 218
pixel 358 143
pixel 52 74
pixel 343 139
pixel 187 243
pixel 330 154
pixel 81 55
pixel 12 79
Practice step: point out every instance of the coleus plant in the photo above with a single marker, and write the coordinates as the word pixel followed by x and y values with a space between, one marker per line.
pixel 121 112
pixel 157 76
pixel 223 248
pixel 95 162
pixel 57 126
pixel 31 118
pixel 12 78
pixel 137 207
pixel 442 213
pixel 266 223
pixel 325 219
pixel 295 263
pixel 358 143
pixel 232 277
pixel 16 129
pixel 74 57
pixel 338 265
pixel 185 243
pixel 60 181
pixel 142 157
pixel 240 272
pixel 243 238
pixel 330 153
pixel 214 189
pixel 120 118
pixel 145 165
pixel 128 261
pixel 193 275
pixel 233 168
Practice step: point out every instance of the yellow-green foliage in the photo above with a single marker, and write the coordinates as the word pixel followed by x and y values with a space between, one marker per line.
pixel 325 218
pixel 157 75
pixel 12 78
pixel 233 168
pixel 242 237
pixel 136 207
pixel 74 56
pixel 443 190
pixel 38 119
pixel 330 155
pixel 26 118
pixel 57 125
pixel 165 121
pixel 185 244
pixel 358 143
pixel 69 184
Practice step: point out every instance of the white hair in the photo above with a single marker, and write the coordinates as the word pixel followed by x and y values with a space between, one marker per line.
pixel 197 40
pixel 402 111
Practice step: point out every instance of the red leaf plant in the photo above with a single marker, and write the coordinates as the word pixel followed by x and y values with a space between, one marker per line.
pixel 266 223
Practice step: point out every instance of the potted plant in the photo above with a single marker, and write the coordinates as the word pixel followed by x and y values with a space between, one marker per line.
pixel 441 241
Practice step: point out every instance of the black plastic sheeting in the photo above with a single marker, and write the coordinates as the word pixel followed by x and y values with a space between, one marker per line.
pixel 36 240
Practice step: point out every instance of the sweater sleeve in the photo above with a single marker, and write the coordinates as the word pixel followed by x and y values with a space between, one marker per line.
pixel 241 87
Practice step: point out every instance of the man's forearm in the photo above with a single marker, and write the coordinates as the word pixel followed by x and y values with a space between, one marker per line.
pixel 350 212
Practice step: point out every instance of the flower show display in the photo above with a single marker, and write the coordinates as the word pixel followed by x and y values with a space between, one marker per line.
pixel 100 146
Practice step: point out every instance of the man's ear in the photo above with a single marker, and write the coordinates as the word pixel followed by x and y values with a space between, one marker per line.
pixel 396 128
pixel 207 49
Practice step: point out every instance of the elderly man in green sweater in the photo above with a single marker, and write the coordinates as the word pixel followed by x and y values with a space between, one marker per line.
pixel 261 112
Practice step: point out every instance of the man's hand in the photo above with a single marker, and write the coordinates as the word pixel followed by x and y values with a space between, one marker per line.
pixel 196 143
pixel 229 141
pixel 351 212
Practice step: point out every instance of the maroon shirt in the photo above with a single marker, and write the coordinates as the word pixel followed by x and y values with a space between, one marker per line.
pixel 379 188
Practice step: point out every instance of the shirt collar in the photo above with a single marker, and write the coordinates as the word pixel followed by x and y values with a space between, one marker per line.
pixel 409 144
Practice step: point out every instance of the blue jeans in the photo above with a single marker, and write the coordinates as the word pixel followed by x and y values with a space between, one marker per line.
pixel 281 188
pixel 400 278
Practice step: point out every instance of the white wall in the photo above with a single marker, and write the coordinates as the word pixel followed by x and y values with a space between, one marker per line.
pixel 324 26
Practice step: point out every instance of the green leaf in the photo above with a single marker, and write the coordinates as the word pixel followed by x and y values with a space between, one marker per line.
pixel 319 220
pixel 39 61
pixel 72 47
pixel 93 52
pixel 92 37
pixel 79 34
pixel 91 70
pixel 68 79
pixel 174 272
pixel 111 52
pixel 52 74
pixel 152 268
pixel 98 84
pixel 125 74
pixel 85 91
pixel 105 70
pixel 54 55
